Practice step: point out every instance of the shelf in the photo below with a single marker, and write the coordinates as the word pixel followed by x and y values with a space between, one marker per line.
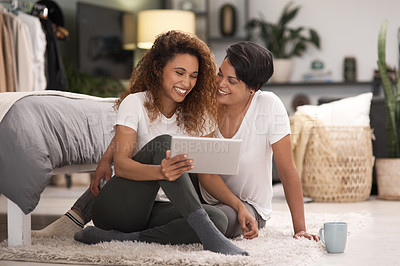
pixel 311 84
pixel 226 39
pixel 205 11
pixel 201 13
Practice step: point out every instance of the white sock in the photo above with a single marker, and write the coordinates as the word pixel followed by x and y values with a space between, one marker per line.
pixel 67 225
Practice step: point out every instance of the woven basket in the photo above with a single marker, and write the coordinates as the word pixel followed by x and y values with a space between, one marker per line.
pixel 388 177
pixel 338 164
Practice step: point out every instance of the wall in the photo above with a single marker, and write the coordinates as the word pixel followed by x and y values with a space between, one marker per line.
pixel 68 7
pixel 346 28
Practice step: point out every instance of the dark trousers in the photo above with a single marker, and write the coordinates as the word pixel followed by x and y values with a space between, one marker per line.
pixel 130 206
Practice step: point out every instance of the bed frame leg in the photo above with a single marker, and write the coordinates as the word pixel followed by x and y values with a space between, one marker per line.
pixel 19 226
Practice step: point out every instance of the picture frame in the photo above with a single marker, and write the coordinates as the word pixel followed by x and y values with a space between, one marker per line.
pixel 214 14
pixel 197 6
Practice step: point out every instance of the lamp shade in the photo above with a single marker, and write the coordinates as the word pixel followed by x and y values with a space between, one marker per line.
pixel 154 22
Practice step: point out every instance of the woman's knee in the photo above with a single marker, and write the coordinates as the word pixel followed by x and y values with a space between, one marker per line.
pixel 161 143
pixel 154 151
pixel 218 217
pixel 124 205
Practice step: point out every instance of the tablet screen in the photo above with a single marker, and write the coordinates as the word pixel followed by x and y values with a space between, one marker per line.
pixel 210 155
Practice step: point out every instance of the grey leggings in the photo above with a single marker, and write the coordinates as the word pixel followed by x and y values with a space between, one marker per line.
pixel 234 229
pixel 130 206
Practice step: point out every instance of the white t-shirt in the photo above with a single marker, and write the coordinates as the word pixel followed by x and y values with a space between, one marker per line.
pixel 265 123
pixel 133 114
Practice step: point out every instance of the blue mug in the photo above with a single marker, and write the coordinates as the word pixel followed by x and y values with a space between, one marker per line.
pixel 334 236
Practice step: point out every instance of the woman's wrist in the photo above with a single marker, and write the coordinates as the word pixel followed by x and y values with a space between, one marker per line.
pixel 239 206
pixel 106 160
pixel 158 172
pixel 300 230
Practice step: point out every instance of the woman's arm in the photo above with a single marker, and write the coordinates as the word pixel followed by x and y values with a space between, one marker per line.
pixel 125 143
pixel 217 188
pixel 103 169
pixel 291 184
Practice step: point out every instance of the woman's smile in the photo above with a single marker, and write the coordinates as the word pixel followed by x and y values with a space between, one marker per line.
pixel 221 92
pixel 181 91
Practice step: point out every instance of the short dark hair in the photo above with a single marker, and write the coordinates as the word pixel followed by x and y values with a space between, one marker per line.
pixel 253 63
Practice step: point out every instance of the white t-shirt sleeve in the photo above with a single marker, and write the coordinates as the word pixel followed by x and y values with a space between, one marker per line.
pixel 129 112
pixel 278 121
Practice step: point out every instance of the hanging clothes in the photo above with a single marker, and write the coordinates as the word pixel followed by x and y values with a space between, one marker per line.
pixel 57 79
pixel 3 83
pixel 30 58
pixel 23 55
pixel 52 21
pixel 19 57
pixel 8 52
pixel 38 40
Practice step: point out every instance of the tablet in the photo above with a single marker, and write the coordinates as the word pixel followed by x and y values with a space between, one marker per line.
pixel 210 155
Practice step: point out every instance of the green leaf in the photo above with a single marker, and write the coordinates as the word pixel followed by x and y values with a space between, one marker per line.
pixel 398 66
pixel 295 33
pixel 382 43
pixel 387 84
pixel 281 39
pixel 288 14
pixel 392 98
pixel 298 49
pixel 314 38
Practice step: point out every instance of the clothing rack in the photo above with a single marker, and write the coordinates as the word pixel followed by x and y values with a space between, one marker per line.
pixel 40 10
pixel 15 4
pixel 36 9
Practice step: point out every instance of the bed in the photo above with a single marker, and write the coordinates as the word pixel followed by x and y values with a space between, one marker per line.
pixel 46 133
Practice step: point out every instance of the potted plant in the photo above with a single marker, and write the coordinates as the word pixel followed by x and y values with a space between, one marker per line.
pixel 388 169
pixel 86 83
pixel 283 41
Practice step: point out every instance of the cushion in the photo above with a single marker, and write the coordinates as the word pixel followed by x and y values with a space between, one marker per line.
pixel 351 111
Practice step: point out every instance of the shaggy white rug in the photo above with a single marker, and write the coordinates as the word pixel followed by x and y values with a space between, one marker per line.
pixel 274 246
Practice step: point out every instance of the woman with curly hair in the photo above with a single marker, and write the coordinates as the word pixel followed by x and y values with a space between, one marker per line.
pixel 151 198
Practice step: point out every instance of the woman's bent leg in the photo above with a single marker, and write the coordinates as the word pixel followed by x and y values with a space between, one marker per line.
pixel 84 205
pixel 183 196
pixel 234 228
pixel 124 205
pixel 122 208
pixel 180 192
pixel 167 226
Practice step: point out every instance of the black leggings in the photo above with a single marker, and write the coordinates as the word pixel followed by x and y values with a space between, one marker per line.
pixel 129 206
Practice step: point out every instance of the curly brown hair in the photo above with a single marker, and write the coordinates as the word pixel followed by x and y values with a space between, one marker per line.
pixel 200 104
